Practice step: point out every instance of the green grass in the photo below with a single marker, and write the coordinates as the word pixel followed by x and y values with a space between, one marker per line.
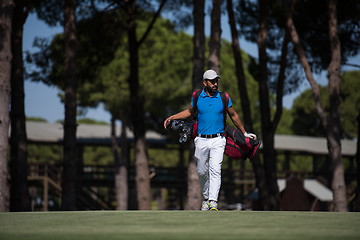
pixel 179 225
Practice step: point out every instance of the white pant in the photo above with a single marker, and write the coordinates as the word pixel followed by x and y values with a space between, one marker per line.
pixel 209 153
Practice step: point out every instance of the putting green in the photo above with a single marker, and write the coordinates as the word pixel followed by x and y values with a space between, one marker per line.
pixel 179 225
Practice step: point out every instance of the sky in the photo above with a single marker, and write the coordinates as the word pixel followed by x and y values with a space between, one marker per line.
pixel 43 101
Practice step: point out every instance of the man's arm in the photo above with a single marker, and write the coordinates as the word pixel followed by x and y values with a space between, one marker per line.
pixel 181 115
pixel 237 122
pixel 236 119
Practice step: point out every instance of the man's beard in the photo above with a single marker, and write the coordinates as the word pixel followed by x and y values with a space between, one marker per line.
pixel 211 90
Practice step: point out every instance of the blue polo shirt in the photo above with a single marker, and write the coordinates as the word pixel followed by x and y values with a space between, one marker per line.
pixel 210 113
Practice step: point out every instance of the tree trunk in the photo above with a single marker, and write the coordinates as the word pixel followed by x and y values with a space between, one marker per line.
pixel 70 163
pixel 193 189
pixel 121 173
pixel 114 149
pixel 334 129
pixel 215 37
pixel 199 44
pixel 137 105
pixel 245 103
pixel 240 75
pixel 356 202
pixel 6 12
pixel 194 196
pixel 331 123
pixel 19 194
pixel 273 200
pixel 283 64
pixel 137 114
pixel 305 64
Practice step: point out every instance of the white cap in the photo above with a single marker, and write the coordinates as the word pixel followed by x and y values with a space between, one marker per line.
pixel 210 74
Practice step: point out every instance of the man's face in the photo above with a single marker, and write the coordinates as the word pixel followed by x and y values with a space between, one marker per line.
pixel 211 85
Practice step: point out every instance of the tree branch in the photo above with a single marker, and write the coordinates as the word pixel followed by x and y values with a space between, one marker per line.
pixel 241 81
pixel 304 62
pixel 151 24
pixel 352 65
pixel 281 78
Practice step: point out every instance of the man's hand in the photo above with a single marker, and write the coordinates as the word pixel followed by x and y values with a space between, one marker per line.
pixel 167 123
pixel 250 135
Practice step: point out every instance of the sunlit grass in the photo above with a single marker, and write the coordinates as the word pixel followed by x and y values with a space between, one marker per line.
pixel 179 225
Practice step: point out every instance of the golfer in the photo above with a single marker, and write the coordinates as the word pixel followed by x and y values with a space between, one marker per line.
pixel 210 141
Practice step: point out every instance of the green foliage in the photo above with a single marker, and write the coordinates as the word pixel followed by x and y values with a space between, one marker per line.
pixel 165 68
pixel 301 163
pixel 114 76
pixel 96 41
pixel 53 154
pixel 36 119
pixel 39 153
pixel 286 120
pixel 165 157
pixel 91 121
pixel 306 121
pixel 98 38
pixel 350 102
pixel 50 11
pixel 98 155
pixel 164 73
pixel 311 22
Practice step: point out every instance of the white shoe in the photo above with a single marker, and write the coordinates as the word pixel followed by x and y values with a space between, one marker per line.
pixel 205 206
pixel 213 206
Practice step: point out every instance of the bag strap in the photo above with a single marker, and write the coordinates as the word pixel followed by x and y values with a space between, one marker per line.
pixel 225 99
pixel 195 97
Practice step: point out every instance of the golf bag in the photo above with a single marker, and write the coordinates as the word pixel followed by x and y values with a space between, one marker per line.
pixel 238 146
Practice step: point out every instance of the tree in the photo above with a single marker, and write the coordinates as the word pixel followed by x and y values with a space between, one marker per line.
pixel 306 121
pixel 193 191
pixel 137 104
pixel 116 99
pixel 50 11
pixel 309 19
pixel 121 177
pixel 19 198
pixel 19 194
pixel 6 12
pixel 103 67
pixel 266 125
pixel 350 103
pixel 70 164
pixel 270 82
pixel 163 59
pixel 215 37
pixel 245 103
pixel 330 122
pixel 121 173
pixel 357 197
pixel 198 43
